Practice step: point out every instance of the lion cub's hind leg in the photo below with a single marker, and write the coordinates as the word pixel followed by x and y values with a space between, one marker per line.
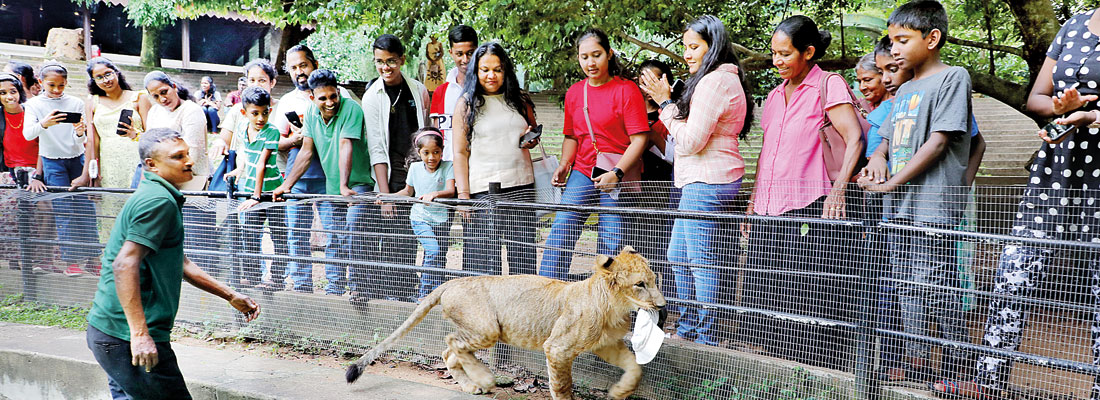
pixel 617 354
pixel 459 374
pixel 462 345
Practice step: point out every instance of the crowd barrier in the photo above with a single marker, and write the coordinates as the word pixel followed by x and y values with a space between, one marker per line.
pixel 804 307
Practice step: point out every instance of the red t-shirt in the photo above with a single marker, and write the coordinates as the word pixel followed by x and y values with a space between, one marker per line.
pixel 18 152
pixel 617 110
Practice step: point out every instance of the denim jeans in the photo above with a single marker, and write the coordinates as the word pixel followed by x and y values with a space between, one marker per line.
pixel 299 221
pixel 699 243
pixel 435 241
pixel 127 381
pixel 252 225
pixel 347 224
pixel 579 190
pixel 396 246
pixel 75 214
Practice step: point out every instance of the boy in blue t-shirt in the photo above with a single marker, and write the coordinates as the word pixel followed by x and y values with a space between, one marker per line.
pixel 259 141
pixel 430 178
pixel 921 166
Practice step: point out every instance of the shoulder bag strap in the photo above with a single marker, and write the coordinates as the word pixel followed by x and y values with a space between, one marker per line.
pixel 588 120
pixel 821 88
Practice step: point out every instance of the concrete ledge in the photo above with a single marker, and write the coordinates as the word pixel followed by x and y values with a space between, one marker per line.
pixel 53 363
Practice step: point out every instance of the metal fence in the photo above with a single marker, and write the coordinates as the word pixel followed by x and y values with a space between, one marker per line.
pixel 803 307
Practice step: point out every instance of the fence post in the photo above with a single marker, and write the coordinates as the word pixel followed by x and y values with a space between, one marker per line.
pixel 27 211
pixel 865 337
pixel 494 223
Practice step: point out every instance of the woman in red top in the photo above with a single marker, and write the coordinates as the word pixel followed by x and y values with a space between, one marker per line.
pixel 19 155
pixel 591 171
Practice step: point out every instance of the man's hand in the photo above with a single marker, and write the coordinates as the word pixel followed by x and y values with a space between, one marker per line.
pixel 278 193
pixel 346 191
pixel 245 305
pixel 247 204
pixel 218 148
pixel 885 187
pixel 144 352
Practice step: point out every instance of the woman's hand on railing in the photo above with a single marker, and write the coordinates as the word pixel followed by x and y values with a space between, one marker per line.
pixel 464 211
pixel 834 205
pixel 746 227
pixel 80 181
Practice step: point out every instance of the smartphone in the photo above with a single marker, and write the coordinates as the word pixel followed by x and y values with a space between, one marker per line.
pixel 597 171
pixel 535 133
pixel 70 117
pixel 293 118
pixel 93 169
pixel 124 117
pixel 1057 131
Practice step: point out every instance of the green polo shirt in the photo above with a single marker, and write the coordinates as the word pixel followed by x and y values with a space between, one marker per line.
pixel 267 138
pixel 348 123
pixel 152 217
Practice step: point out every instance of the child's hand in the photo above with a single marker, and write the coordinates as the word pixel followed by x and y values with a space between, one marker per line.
pixel 247 204
pixel 388 211
pixel 36 186
pixel 886 187
pixel 429 197
pixel 232 174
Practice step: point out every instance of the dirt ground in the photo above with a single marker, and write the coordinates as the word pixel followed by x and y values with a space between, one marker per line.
pixel 415 368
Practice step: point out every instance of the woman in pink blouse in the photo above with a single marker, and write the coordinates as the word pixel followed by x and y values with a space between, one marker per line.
pixel 791 181
pixel 706 123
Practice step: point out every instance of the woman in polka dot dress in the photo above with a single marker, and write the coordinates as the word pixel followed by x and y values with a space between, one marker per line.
pixel 1062 201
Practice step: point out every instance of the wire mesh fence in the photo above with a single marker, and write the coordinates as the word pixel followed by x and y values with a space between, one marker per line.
pixel 979 285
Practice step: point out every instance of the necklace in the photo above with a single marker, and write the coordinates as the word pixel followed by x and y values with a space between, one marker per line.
pixel 393 106
pixel 13 126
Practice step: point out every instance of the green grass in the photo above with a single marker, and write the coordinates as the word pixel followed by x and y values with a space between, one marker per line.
pixel 14 309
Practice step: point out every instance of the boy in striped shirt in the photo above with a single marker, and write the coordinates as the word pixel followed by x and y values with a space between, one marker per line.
pixel 259 143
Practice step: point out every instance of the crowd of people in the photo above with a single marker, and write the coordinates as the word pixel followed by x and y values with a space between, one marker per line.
pixel 905 152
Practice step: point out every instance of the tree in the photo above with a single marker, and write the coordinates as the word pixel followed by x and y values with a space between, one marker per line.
pixel 153 16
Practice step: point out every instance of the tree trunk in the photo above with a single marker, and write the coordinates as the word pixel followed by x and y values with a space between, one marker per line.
pixel 1038 27
pixel 292 35
pixel 150 46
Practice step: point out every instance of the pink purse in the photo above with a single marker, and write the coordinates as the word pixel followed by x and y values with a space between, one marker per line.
pixel 607 161
pixel 833 145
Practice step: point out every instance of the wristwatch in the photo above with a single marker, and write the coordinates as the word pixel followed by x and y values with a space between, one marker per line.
pixel 257 198
pixel 665 104
pixel 618 173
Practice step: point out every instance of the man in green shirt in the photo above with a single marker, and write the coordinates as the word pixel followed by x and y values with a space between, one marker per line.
pixel 333 127
pixel 130 323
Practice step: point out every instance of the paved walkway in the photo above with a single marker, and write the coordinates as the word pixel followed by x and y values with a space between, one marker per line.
pixel 50 363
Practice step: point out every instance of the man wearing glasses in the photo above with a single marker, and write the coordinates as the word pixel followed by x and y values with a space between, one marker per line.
pixel 394 108
pixel 463 43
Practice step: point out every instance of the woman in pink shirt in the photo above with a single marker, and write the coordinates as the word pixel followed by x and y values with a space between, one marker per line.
pixel 791 181
pixel 706 123
pixel 603 114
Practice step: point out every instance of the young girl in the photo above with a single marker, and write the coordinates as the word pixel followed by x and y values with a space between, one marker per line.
pixel 429 179
pixel 61 146
pixel 20 157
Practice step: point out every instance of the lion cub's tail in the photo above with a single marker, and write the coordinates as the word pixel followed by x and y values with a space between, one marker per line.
pixel 426 305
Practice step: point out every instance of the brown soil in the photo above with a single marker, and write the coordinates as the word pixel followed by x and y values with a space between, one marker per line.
pixel 414 369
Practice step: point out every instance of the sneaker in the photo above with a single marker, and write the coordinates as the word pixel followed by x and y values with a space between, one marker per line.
pixel 93 267
pixel 73 270
pixel 40 270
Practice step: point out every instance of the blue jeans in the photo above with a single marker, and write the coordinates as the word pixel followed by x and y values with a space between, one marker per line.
pixel 699 242
pixel 299 219
pixel 435 241
pixel 75 214
pixel 347 224
pixel 579 190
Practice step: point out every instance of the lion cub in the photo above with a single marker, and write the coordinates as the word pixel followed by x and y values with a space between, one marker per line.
pixel 534 312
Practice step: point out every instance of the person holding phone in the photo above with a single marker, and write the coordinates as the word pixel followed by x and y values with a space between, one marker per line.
pixel 117 113
pixel 55 119
pixel 1060 202
pixel 605 135
pixel 494 125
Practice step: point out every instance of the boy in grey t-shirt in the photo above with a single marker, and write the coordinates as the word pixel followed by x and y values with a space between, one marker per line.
pixel 921 167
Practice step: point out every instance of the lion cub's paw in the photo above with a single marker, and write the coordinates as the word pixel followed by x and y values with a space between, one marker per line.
pixel 472 388
pixel 619 392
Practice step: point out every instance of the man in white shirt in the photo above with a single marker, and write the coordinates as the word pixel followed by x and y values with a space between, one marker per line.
pixel 463 43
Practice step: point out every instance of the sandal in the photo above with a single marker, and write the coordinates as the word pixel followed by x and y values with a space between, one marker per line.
pixel 952 390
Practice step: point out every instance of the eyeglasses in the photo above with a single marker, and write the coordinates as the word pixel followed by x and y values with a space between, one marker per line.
pixel 109 75
pixel 392 63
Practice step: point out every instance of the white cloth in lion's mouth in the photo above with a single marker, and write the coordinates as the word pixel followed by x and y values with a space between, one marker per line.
pixel 647 336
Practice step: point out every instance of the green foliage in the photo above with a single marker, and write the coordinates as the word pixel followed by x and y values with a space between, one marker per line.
pixel 14 309
pixel 344 51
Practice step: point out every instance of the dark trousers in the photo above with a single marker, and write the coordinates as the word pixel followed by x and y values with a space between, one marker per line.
pixel 396 246
pixel 799 263
pixel 127 381
pixel 515 229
